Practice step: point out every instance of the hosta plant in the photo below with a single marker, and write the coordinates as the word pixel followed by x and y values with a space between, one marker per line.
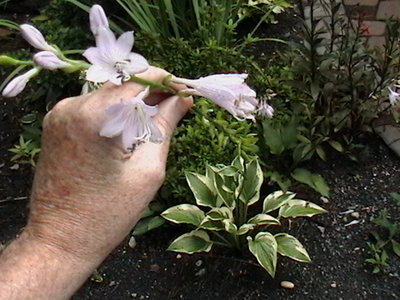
pixel 225 196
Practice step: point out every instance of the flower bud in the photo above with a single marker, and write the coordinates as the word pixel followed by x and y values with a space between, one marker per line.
pixel 10 61
pixel 17 85
pixel 35 38
pixel 48 60
pixel 97 18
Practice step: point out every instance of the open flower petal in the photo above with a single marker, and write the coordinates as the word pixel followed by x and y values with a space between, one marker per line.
pixel 124 43
pixel 97 74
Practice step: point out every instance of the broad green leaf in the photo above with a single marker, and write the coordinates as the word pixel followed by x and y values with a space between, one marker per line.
pixel 202 188
pixel 300 208
pixel 283 181
pixel 228 171
pixel 230 226
pixel 265 248
pixel 212 225
pixel 238 163
pixel 273 138
pixel 321 153
pixel 290 246
pixel 225 187
pixel 220 213
pixel 275 200
pixel 194 241
pixel 336 145
pixel 147 224
pixel 253 178
pixel 184 213
pixel 264 219
pixel 396 247
pixel 245 228
pixel 315 181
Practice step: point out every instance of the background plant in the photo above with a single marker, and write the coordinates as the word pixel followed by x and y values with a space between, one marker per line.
pixel 228 195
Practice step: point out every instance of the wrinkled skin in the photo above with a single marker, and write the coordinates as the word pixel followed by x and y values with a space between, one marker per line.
pixel 88 192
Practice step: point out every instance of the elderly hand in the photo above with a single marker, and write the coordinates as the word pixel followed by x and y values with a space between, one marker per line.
pixel 88 191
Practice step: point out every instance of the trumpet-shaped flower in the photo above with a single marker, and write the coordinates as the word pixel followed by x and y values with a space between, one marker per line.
pixel 48 60
pixel 34 37
pixel 394 98
pixel 112 59
pixel 97 18
pixel 133 120
pixel 17 85
pixel 229 91
pixel 265 110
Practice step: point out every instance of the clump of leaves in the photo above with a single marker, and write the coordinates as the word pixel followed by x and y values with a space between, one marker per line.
pixel 201 140
pixel 386 241
pixel 224 196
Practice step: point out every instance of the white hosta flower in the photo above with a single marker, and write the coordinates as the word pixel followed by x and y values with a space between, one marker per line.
pixel 34 37
pixel 133 120
pixel 112 59
pixel 265 110
pixel 17 85
pixel 97 18
pixel 229 91
pixel 394 98
pixel 48 60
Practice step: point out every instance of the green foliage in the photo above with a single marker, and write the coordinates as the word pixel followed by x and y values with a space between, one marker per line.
pixel 385 241
pixel 221 215
pixel 25 152
pixel 343 78
pixel 201 140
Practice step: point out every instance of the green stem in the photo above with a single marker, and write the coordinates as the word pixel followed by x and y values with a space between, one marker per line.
pixel 153 84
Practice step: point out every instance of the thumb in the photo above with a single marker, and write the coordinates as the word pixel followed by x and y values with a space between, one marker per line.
pixel 171 111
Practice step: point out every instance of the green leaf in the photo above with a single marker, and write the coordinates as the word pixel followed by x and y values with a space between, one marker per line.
pixel 253 179
pixel 220 213
pixel 315 181
pixel 147 224
pixel 336 145
pixel 289 246
pixel 275 200
pixel 202 188
pixel 300 208
pixel 321 153
pixel 194 241
pixel 395 196
pixel 245 228
pixel 273 138
pixel 396 247
pixel 265 248
pixel 184 213
pixel 264 219
pixel 212 225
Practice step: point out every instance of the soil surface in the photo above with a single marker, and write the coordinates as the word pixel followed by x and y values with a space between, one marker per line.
pixel 335 241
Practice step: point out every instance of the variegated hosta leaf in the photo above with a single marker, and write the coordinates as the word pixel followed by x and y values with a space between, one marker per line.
pixel 213 225
pixel 203 189
pixel 184 213
pixel 238 162
pixel 225 187
pixel 265 248
pixel 253 178
pixel 220 213
pixel 300 208
pixel 147 224
pixel 245 228
pixel 228 171
pixel 289 246
pixel 230 226
pixel 194 241
pixel 275 200
pixel 264 219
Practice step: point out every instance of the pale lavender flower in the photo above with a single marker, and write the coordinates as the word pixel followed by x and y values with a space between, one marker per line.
pixel 112 59
pixel 394 98
pixel 35 38
pixel 133 120
pixel 97 18
pixel 17 85
pixel 264 109
pixel 228 91
pixel 48 60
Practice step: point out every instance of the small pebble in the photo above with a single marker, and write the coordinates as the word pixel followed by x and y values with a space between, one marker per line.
pixel 355 215
pixel 178 256
pixel 321 228
pixel 287 284
pixel 333 285
pixel 199 263
pixel 325 200
pixel 154 268
pixel 132 242
pixel 134 295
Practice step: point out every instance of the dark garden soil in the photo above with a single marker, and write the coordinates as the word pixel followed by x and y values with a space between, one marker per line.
pixel 336 241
